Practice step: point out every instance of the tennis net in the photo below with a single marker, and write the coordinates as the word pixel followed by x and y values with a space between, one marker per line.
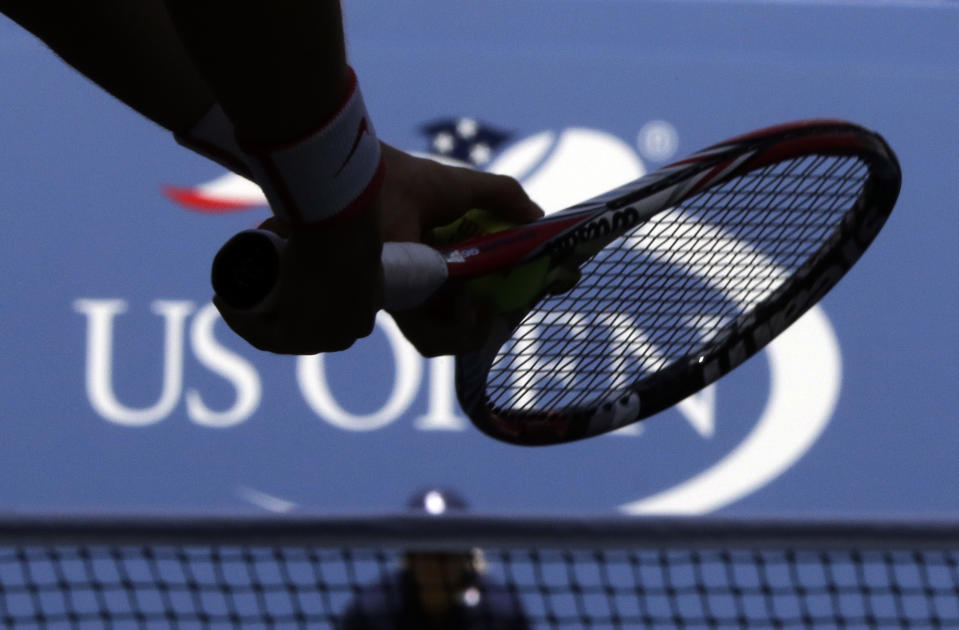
pixel 368 572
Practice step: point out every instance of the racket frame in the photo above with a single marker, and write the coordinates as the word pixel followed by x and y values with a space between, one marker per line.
pixel 587 227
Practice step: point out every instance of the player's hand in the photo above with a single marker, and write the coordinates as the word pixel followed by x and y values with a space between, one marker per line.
pixel 421 194
pixel 330 290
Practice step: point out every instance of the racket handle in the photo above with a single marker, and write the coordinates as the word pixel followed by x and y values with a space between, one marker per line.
pixel 412 272
pixel 246 270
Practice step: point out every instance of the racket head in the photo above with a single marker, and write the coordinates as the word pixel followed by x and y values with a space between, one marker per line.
pixel 685 273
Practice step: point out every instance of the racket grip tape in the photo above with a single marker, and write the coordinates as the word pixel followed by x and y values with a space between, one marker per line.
pixel 247 268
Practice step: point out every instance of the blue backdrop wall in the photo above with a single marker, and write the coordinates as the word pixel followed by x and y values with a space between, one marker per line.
pixel 122 391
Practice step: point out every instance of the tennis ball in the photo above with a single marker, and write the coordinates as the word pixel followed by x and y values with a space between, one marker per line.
pixel 507 290
pixel 474 223
pixel 514 288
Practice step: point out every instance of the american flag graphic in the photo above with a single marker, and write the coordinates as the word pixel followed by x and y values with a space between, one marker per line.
pixel 464 139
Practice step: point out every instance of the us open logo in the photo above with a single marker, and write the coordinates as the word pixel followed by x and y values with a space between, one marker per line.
pixel 558 169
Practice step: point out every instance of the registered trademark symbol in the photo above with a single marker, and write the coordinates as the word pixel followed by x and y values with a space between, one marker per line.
pixel 658 140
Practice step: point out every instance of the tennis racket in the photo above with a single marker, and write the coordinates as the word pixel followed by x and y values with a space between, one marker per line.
pixel 623 305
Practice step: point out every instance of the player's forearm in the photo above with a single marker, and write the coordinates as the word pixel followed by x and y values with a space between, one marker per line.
pixel 278 68
pixel 128 48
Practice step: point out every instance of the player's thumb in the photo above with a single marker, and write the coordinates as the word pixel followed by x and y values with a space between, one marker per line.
pixel 501 196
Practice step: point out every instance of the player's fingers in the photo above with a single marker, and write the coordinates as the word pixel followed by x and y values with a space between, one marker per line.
pixel 265 333
pixel 276 226
pixel 445 338
pixel 244 324
pixel 500 195
pixel 463 189
pixel 452 325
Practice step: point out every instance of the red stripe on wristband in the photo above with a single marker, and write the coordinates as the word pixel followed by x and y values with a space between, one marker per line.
pixel 316 179
pixel 366 201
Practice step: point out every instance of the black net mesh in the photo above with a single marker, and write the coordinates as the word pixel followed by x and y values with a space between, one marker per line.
pixel 305 587
pixel 671 286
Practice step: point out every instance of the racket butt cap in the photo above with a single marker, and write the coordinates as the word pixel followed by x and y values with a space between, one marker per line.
pixel 246 269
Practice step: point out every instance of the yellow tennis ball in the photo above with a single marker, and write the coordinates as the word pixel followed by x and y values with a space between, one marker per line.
pixel 474 223
pixel 506 290
pixel 514 288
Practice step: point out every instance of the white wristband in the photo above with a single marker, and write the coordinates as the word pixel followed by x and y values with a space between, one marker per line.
pixel 331 174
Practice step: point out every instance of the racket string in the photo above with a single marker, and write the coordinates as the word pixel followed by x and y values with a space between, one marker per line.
pixel 674 284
